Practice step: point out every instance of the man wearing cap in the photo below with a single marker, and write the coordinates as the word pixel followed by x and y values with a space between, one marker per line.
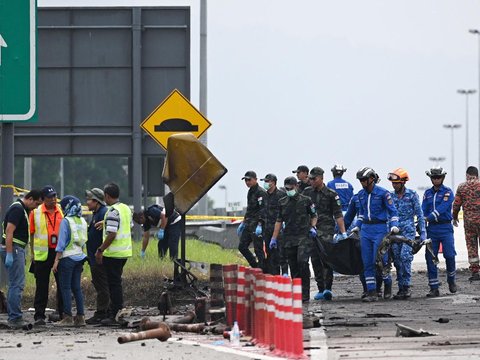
pixel 44 229
pixel 299 215
pixel 302 176
pixel 341 186
pixel 116 247
pixel 169 229
pixel 329 212
pixel 274 255
pixel 252 227
pixel 96 204
pixel 12 252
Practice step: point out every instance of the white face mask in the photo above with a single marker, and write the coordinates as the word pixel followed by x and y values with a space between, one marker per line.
pixel 266 185
pixel 291 193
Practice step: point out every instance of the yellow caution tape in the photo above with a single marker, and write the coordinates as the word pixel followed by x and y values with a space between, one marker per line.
pixel 17 191
pixel 211 217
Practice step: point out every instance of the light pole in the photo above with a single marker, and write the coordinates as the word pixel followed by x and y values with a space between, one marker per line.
pixel 224 187
pixel 477 33
pixel 466 93
pixel 452 127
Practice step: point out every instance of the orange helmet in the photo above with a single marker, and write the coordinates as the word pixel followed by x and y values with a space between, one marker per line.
pixel 398 175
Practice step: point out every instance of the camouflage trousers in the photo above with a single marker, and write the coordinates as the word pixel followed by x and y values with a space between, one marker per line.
pixel 472 238
pixel 298 257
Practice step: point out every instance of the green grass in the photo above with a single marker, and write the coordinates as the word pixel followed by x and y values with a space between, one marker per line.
pixel 143 278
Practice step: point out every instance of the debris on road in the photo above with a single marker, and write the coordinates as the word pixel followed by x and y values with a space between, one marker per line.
pixel 405 331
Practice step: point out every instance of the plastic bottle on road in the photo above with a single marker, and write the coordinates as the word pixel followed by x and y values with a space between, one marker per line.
pixel 235 335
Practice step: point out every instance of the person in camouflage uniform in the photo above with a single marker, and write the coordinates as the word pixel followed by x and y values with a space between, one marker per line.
pixel 302 176
pixel 300 217
pixel 468 197
pixel 329 210
pixel 408 206
pixel 274 256
pixel 252 226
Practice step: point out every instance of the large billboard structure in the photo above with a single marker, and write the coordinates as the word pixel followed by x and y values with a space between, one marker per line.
pixel 101 72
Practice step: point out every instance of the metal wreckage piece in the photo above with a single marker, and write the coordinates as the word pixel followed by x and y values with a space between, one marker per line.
pixel 391 239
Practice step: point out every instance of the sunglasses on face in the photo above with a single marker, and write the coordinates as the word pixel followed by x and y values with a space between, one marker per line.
pixel 288 188
pixel 363 179
pixel 436 177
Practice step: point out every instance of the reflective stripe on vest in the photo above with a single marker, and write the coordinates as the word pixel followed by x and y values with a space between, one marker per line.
pixel 121 246
pixel 40 237
pixel 78 236
pixel 15 240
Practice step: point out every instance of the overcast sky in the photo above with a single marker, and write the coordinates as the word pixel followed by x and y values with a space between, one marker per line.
pixel 356 82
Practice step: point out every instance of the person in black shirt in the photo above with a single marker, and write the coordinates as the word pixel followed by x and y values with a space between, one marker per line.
pixel 169 229
pixel 96 203
pixel 16 234
pixel 252 227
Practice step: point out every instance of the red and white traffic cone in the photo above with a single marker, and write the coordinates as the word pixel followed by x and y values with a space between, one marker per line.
pixel 241 298
pixel 297 320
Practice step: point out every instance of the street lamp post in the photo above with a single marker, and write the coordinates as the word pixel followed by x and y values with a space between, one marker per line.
pixel 452 127
pixel 466 93
pixel 477 33
pixel 224 187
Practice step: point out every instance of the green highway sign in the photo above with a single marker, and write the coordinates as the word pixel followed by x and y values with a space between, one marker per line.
pixel 18 68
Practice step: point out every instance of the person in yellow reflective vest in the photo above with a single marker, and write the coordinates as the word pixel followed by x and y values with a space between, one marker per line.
pixel 116 247
pixel 44 229
pixel 70 258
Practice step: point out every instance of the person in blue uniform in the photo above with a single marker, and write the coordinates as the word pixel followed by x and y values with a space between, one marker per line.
pixel 376 211
pixel 408 206
pixel 342 187
pixel 437 209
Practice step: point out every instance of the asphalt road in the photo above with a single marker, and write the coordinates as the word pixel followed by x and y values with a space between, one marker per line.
pixel 350 329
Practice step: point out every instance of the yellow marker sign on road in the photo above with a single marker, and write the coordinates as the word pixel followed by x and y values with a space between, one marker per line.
pixel 175 115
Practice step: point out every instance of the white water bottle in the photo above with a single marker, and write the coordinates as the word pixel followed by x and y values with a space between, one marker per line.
pixel 235 335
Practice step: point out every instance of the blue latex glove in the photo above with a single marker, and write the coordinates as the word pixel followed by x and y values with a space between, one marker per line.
pixel 273 244
pixel 9 260
pixel 240 229
pixel 258 230
pixel 142 254
pixel 160 234
pixel 340 237
pixel 312 232
pixel 423 236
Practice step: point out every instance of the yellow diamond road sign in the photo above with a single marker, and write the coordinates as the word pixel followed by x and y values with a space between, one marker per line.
pixel 173 116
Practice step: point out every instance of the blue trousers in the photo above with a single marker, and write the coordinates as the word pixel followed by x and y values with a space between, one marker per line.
pixel 16 282
pixel 402 259
pixel 371 236
pixel 441 234
pixel 69 275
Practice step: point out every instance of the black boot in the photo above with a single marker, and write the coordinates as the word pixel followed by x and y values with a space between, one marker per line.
pixel 379 289
pixel 400 294
pixel 371 296
pixel 387 291
pixel 433 293
pixel 452 287
pixel 407 292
